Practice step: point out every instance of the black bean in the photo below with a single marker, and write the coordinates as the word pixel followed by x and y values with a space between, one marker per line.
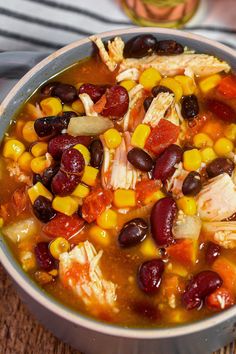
pixel 192 184
pixel 96 151
pixel 48 175
pixel 43 210
pixel 169 47
pixel 159 88
pixel 48 126
pixel 147 103
pixel 219 166
pixel 133 232
pixel 67 93
pixel 47 89
pixel 140 46
pixel 190 107
pixel 37 178
pixel 140 159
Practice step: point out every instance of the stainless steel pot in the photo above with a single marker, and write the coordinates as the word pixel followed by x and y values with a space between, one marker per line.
pixel 83 333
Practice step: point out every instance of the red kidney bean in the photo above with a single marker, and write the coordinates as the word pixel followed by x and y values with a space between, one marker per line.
pixel 149 275
pixel 133 232
pixel 43 210
pixel 48 88
pixel 162 217
pixel 96 151
pixel 140 46
pixel 44 258
pixel 67 93
pixel 192 184
pixel 94 91
pixel 62 142
pixel 221 110
pixel 219 166
pixel 190 107
pixel 165 163
pixel 117 102
pixel 212 252
pixel 169 47
pixel 147 103
pixel 64 184
pixel 200 286
pixel 72 161
pixel 159 89
pixel 140 159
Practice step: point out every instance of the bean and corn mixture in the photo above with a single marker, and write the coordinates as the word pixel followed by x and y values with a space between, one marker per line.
pixel 120 198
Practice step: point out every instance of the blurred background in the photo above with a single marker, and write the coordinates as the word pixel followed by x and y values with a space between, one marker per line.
pixel 46 25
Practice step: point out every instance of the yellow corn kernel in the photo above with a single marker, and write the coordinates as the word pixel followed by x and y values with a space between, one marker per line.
pixel 188 205
pixel 65 205
pixel 39 164
pixel 202 140
pixel 149 78
pixel 53 272
pixel 78 106
pixel 140 135
pixel 51 106
pixel 112 138
pixel 39 149
pixel 99 235
pixel 57 246
pixel 108 219
pixel 209 83
pixel 19 126
pixel 223 146
pixel 39 190
pixel 66 108
pixel 24 161
pixel 128 84
pixel 124 198
pixel 192 160
pixel 187 84
pixel 1 222
pixel 154 197
pixel 81 191
pixel 173 85
pixel 208 155
pixel 78 85
pixel 84 151
pixel 230 132
pixel 90 175
pixel 28 132
pixel 28 260
pixel 13 149
pixel 148 248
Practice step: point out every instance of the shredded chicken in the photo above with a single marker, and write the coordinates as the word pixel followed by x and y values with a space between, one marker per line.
pixel 79 271
pixel 224 232
pixel 200 64
pixel 88 105
pixel 129 74
pixel 175 182
pixel 158 108
pixel 117 172
pixel 15 171
pixel 114 55
pixel 134 96
pixel 34 111
pixel 217 199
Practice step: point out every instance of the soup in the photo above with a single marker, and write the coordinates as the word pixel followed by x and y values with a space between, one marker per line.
pixel 120 198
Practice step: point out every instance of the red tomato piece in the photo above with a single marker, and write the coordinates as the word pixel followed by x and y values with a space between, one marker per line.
pixel 195 126
pixel 95 203
pixel 63 226
pixel 222 110
pixel 227 87
pixel 220 299
pixel 183 252
pixel 163 135
pixel 145 188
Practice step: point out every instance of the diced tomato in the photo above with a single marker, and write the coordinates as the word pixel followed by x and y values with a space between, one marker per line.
pixel 145 188
pixel 95 203
pixel 195 126
pixel 227 87
pixel 227 270
pixel 213 128
pixel 63 226
pixel 220 299
pixel 183 251
pixel 163 135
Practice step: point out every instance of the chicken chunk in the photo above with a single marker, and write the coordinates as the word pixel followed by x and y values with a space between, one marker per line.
pixel 199 64
pixel 79 271
pixel 217 200
pixel 88 105
pixel 114 55
pixel 134 96
pixel 129 74
pixel 223 233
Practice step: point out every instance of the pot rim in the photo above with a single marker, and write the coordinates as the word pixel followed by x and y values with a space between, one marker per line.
pixel 30 287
